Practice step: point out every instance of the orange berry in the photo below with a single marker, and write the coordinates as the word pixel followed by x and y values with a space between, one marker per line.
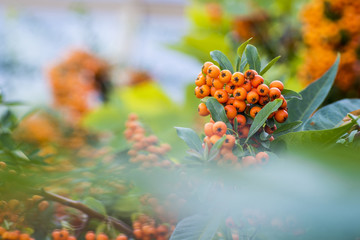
pixel 217 84
pixel 230 111
pixel 271 115
pixel 247 85
pixel 203 110
pixel 277 84
pixel 274 93
pixel 136 225
pixel 42 206
pixel 206 66
pixel 90 236
pixel 207 141
pixel 2 230
pixel 264 100
pixel 64 234
pixel 240 93
pixel 122 237
pixel 262 157
pixel 138 233
pixel 238 79
pixel 225 76
pixel 219 128
pixel 102 236
pixel 209 80
pixel 230 88
pixel 240 106
pixel 284 103
pixel 229 141
pixel 212 91
pixel 200 80
pixel 257 80
pixel 197 92
pixel 162 230
pixel 254 111
pixel 24 236
pixel 241 120
pixel 204 91
pixel 214 139
pixel 263 90
pixel 213 71
pixel 281 115
pixel 252 97
pixel 208 129
pixel 221 95
pixel 71 238
pixel 244 132
pixel 230 101
pixel 230 156
pixel 250 74
pixel 248 161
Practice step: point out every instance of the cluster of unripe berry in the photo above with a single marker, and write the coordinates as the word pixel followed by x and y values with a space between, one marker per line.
pixel 102 236
pixel 242 94
pixel 14 235
pixel 145 150
pixel 145 229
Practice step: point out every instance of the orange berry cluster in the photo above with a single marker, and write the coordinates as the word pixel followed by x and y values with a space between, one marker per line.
pixel 62 234
pixel 14 235
pixel 330 27
pixel 242 94
pixel 145 229
pixel 145 150
pixel 11 211
pixel 102 236
pixel 78 83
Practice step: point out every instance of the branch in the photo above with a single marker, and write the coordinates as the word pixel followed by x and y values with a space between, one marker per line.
pixel 118 224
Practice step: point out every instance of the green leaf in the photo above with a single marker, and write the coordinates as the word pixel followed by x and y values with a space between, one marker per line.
pixel 197 227
pixel 243 64
pixel 216 148
pixel 290 94
pixel 331 115
pixel 321 138
pixel 190 137
pixel 240 52
pixel 223 61
pixel 253 57
pixel 217 111
pixel 95 205
pixel 313 96
pixel 287 127
pixel 269 65
pixel 262 116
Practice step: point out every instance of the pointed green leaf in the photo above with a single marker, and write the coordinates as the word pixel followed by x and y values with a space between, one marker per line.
pixel 223 61
pixel 240 51
pixel 331 115
pixel 287 127
pixel 262 116
pixel 253 57
pixel 190 138
pixel 313 96
pixel 269 65
pixel 290 94
pixel 217 111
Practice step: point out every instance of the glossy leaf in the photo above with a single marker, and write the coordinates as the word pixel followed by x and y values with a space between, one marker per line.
pixel 313 96
pixel 217 111
pixel 262 116
pixel 197 227
pixel 190 137
pixel 223 61
pixel 269 65
pixel 253 58
pixel 331 115
pixel 287 127
pixel 290 94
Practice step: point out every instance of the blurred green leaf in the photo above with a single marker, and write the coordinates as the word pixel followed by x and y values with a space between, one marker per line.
pixel 223 61
pixel 290 94
pixel 262 116
pixel 331 115
pixel 253 57
pixel 313 96
pixel 95 205
pixel 269 65
pixel 190 137
pixel 287 127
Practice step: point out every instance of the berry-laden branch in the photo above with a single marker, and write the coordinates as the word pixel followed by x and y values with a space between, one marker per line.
pixel 118 224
